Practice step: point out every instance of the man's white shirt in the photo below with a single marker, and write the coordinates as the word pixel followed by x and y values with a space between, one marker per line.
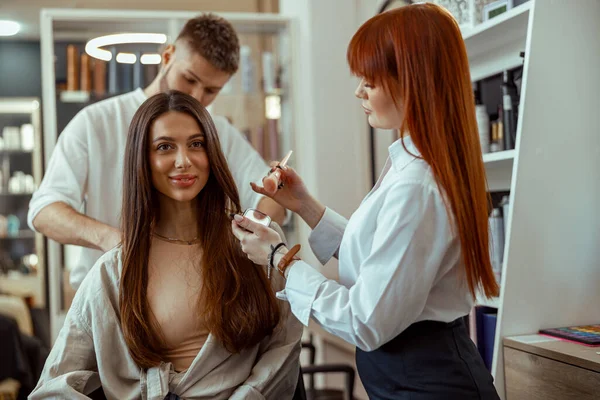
pixel 86 167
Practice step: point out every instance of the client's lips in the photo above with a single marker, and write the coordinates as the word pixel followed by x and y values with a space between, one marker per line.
pixel 183 180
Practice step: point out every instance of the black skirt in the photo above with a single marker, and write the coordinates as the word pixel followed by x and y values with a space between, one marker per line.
pixel 430 360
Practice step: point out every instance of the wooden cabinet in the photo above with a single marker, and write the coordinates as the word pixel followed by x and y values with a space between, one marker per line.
pixel 539 367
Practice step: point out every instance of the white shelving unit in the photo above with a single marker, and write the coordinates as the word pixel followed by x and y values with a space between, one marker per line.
pixel 499 167
pixel 27 110
pixel 493 302
pixel 551 259
pixel 84 24
pixel 493 159
pixel 495 45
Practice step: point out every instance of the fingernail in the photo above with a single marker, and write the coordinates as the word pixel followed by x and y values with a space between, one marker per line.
pixel 238 218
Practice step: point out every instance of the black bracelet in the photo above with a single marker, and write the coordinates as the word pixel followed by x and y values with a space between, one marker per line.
pixel 273 251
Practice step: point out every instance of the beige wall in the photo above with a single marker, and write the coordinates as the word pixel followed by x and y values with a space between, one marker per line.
pixel 213 5
pixel 27 12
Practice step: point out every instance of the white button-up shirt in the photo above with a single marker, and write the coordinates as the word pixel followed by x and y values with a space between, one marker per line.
pixel 399 260
pixel 86 167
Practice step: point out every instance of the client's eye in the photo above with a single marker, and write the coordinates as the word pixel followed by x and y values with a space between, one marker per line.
pixel 164 147
pixel 197 144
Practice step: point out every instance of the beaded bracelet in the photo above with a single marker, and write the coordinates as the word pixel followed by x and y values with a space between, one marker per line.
pixel 270 265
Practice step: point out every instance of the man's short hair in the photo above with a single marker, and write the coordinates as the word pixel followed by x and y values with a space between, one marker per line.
pixel 213 38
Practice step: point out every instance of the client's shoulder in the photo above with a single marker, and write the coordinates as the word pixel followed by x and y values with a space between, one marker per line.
pixel 106 271
pixel 99 290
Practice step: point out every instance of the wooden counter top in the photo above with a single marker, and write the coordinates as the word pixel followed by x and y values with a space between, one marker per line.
pixel 560 350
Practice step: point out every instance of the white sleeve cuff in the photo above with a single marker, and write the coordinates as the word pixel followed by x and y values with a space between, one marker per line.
pixel 301 289
pixel 326 238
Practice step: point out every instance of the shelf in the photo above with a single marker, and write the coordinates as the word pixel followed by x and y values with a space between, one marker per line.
pixel 498 169
pixel 14 194
pixel 83 97
pixel 7 151
pixel 23 234
pixel 498 22
pixel 497 157
pixel 18 284
pixel 19 105
pixel 84 24
pixel 483 301
pixel 74 96
pixel 495 45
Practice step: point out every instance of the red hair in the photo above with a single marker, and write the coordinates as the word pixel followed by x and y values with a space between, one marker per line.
pixel 417 54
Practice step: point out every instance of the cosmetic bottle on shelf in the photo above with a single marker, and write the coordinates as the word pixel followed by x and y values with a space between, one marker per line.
pixel 496 226
pixel 86 73
pixel 99 78
pixel 483 120
pixel 72 68
pixel 510 104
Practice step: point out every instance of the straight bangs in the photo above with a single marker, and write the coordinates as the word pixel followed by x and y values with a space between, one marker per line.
pixel 369 53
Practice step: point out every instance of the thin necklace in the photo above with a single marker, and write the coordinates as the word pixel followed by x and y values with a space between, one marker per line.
pixel 177 241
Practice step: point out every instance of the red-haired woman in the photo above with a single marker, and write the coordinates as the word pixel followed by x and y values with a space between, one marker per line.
pixel 414 254
pixel 177 310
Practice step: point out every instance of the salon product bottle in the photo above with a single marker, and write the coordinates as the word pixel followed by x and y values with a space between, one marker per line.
pixel 113 77
pixel 500 138
pixel 12 225
pixel 138 72
pixel 12 137
pixel 496 226
pixel 268 67
pixel 27 137
pixel 14 185
pixel 3 226
pixel 99 78
pixel 246 69
pixel 483 121
pixel 483 127
pixel 5 174
pixel 510 103
pixel 494 137
pixel 505 204
pixel 28 184
pixel 125 77
pixel 86 73
pixel 72 67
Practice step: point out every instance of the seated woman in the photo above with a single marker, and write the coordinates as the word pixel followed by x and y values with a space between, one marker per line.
pixel 176 310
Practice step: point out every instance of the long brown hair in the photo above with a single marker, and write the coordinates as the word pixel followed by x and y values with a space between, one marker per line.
pixel 417 53
pixel 238 304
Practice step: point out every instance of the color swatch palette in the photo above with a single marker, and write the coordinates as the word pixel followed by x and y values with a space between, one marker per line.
pixel 586 334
